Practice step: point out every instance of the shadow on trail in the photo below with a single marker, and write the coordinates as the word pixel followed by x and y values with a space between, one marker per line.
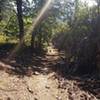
pixel 27 63
pixel 24 61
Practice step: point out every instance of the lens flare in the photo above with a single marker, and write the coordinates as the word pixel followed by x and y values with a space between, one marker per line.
pixel 35 23
pixel 40 15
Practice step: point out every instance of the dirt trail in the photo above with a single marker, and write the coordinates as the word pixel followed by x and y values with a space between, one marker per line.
pixel 41 86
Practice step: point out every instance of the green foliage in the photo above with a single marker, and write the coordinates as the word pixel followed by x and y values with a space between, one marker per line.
pixel 69 21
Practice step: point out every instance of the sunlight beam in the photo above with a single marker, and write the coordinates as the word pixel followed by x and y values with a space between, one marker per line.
pixel 40 15
pixel 35 22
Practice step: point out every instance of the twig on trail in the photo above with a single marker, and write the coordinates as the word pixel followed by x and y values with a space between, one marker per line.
pixel 27 87
pixel 29 90
pixel 5 66
pixel 8 90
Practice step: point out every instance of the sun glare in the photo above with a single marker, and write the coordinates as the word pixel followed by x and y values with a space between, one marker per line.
pixel 35 22
pixel 89 2
pixel 40 15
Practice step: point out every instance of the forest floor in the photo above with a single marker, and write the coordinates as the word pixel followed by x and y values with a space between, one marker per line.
pixel 44 80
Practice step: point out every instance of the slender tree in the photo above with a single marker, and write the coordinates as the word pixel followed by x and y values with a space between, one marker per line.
pixel 98 6
pixel 20 19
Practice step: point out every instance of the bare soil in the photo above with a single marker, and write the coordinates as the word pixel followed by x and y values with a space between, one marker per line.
pixel 44 81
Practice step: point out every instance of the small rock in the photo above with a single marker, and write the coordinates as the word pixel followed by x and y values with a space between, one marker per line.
pixel 29 72
pixel 36 73
pixel 35 98
pixel 58 98
pixel 48 87
pixel 8 98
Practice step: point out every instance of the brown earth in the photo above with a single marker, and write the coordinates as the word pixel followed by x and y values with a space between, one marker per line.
pixel 46 83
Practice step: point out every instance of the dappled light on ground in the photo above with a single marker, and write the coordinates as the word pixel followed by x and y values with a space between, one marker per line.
pixel 43 81
pixel 49 50
pixel 41 87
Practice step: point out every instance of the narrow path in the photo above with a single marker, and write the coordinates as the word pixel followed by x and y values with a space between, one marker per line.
pixel 41 86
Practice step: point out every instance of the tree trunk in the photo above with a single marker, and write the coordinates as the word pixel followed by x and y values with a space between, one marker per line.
pixel 0 15
pixel 20 19
pixel 33 40
pixel 98 7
